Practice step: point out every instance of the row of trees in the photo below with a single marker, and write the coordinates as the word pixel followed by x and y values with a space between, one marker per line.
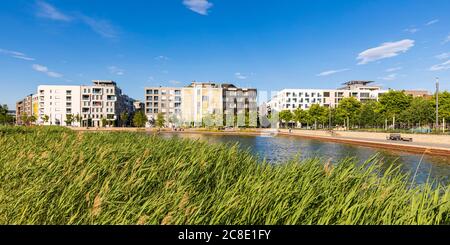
pixel 5 118
pixel 394 109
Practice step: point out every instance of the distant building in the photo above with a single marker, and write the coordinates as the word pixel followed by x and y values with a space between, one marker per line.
pixel 102 100
pixel 239 103
pixel 165 100
pixel 291 99
pixel 139 106
pixel 418 93
pixel 26 107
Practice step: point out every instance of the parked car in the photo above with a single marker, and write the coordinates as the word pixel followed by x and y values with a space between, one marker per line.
pixel 398 137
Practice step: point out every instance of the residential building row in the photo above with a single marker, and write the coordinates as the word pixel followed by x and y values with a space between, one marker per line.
pixel 222 104
pixel 199 101
pixel 91 103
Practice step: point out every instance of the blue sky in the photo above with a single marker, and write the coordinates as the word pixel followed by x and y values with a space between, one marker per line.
pixel 267 44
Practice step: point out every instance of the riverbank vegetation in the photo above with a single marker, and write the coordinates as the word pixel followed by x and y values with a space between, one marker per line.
pixel 53 175
pixel 394 111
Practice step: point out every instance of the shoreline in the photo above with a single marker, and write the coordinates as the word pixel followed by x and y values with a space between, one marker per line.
pixel 417 148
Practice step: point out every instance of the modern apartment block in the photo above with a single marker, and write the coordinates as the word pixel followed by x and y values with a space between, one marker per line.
pixel 102 100
pixel 291 99
pixel 25 107
pixel 165 100
pixel 200 101
pixel 239 102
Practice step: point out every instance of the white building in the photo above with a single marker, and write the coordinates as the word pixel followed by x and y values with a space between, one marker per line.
pixel 291 99
pixel 102 100
pixel 56 101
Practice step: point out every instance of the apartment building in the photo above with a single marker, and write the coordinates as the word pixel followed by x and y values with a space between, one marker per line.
pixel 165 100
pixel 239 102
pixel 291 99
pixel 202 101
pixel 56 102
pixel 101 100
pixel 25 107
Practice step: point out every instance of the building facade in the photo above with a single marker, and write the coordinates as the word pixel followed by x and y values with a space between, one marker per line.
pixel 165 100
pixel 291 99
pixel 93 104
pixel 26 107
pixel 240 105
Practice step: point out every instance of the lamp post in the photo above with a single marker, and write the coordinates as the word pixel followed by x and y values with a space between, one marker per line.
pixel 437 103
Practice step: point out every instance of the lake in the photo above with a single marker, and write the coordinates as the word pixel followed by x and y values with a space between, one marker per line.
pixel 280 149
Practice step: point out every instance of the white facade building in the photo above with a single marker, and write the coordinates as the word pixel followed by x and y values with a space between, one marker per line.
pixel 93 103
pixel 56 101
pixel 291 99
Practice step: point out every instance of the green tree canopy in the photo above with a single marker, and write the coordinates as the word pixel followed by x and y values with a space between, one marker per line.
pixel 160 120
pixel 285 116
pixel 348 109
pixel 370 114
pixel 140 119
pixel 393 103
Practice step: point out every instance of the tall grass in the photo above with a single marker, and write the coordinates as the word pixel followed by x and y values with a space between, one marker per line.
pixel 56 176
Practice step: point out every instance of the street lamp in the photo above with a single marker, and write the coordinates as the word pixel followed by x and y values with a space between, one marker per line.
pixel 437 103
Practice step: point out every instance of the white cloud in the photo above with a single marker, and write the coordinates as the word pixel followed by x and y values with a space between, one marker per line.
pixel 240 76
pixel 161 57
pixel 432 22
pixel 442 66
pixel 198 6
pixel 385 50
pixel 15 54
pixel 393 69
pixel 443 56
pixel 174 82
pixel 447 39
pixel 116 70
pixel 45 70
pixel 45 10
pixel 102 27
pixel 390 77
pixel 327 73
pixel 411 30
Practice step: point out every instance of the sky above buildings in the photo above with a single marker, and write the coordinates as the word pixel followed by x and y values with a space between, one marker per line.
pixel 267 44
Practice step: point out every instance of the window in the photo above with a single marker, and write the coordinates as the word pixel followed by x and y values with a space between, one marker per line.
pixel 149 91
pixel 155 92
pixel 204 98
pixel 326 94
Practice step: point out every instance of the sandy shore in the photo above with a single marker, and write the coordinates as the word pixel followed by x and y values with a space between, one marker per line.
pixel 422 143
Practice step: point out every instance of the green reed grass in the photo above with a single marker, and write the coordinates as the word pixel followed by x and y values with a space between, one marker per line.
pixel 56 176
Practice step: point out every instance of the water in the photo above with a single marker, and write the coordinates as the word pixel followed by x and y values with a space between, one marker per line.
pixel 279 149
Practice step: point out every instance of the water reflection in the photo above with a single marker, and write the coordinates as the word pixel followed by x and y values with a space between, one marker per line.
pixel 283 148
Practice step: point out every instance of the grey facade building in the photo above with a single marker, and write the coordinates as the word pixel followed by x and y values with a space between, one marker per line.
pixel 165 100
pixel 240 103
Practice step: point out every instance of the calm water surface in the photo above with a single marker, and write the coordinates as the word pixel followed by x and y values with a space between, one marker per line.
pixel 282 148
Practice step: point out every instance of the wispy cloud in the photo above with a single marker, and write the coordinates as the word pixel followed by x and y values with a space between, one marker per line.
pixel 440 67
pixel 162 57
pixel 393 69
pixel 15 54
pixel 102 27
pixel 390 77
pixel 443 56
pixel 447 39
pixel 411 30
pixel 198 6
pixel 174 82
pixel 45 70
pixel 116 70
pixel 432 22
pixel 385 50
pixel 45 10
pixel 240 76
pixel 331 72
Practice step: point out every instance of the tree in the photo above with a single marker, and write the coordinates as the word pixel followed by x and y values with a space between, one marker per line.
pixel 370 114
pixel 348 111
pixel 45 118
pixel 286 116
pixel 104 121
pixel 77 118
pixel 32 119
pixel 319 114
pixel 419 112
pixel 24 118
pixel 69 119
pixel 160 120
pixel 444 106
pixel 5 118
pixel 393 103
pixel 299 115
pixel 123 118
pixel 140 119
